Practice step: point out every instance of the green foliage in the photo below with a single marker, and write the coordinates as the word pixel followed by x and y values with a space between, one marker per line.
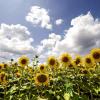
pixel 66 84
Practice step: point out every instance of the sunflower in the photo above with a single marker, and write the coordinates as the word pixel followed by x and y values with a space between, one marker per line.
pixel 1 66
pixel 23 61
pixel 41 79
pixel 52 62
pixel 3 78
pixel 65 59
pixel 42 68
pixel 88 61
pixel 78 60
pixel 95 53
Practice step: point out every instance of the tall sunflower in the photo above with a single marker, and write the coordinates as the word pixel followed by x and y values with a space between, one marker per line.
pixel 65 59
pixel 95 53
pixel 88 61
pixel 23 61
pixel 41 79
pixel 52 62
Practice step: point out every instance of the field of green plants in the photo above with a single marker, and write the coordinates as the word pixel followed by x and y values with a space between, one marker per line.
pixel 59 78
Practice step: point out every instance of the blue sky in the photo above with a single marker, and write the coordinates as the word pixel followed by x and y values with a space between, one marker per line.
pixel 15 11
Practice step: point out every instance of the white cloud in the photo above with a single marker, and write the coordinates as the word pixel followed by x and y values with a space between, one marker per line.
pixel 59 21
pixel 83 35
pixel 39 16
pixel 15 39
pixel 51 41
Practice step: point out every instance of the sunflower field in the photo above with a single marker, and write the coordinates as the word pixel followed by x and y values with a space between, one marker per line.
pixel 59 78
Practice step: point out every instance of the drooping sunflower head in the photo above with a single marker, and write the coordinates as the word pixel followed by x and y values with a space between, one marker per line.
pixel 1 66
pixel 95 53
pixel 23 61
pixel 51 61
pixel 41 79
pixel 78 60
pixel 88 61
pixel 65 59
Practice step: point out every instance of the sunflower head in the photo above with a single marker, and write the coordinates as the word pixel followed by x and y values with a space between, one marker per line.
pixel 41 79
pixel 88 61
pixel 95 53
pixel 51 61
pixel 42 68
pixel 23 61
pixel 78 60
pixel 65 59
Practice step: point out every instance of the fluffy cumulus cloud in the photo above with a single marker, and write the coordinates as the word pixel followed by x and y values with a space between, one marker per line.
pixel 82 36
pixel 51 41
pixel 59 21
pixel 15 39
pixel 39 16
pixel 47 44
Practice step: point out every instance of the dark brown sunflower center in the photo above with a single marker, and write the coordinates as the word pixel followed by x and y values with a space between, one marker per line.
pixel 96 55
pixel 88 60
pixel 42 78
pixel 65 59
pixel 23 61
pixel 41 67
pixel 52 62
pixel 77 61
